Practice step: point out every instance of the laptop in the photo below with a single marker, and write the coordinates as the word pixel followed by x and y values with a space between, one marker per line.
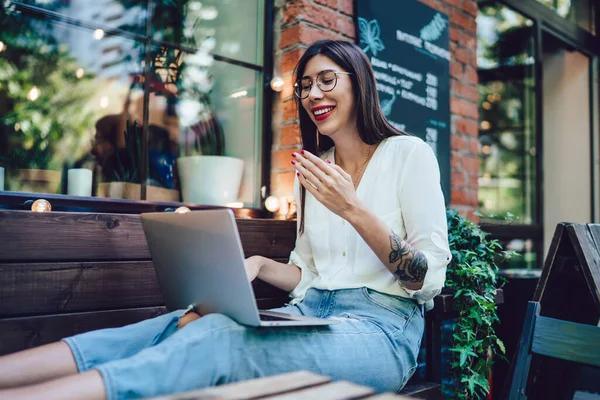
pixel 199 260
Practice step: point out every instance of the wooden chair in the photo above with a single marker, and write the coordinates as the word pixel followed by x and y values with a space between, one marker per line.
pixel 564 340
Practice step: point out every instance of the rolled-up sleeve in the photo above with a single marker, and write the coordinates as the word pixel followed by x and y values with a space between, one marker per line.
pixel 424 214
pixel 301 255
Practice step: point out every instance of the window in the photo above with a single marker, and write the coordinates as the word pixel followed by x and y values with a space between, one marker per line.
pixel 79 78
pixel 505 57
pixel 580 12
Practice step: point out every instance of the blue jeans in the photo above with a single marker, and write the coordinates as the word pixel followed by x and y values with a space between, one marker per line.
pixel 376 345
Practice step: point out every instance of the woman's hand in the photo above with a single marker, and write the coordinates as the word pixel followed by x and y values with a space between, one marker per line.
pixel 253 266
pixel 328 183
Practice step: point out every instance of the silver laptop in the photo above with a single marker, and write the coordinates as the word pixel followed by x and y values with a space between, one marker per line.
pixel 199 260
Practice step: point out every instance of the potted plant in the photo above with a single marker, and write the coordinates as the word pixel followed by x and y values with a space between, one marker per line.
pixel 124 181
pixel 31 171
pixel 472 277
pixel 206 175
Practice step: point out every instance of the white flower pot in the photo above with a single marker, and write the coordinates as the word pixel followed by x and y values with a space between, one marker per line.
pixel 210 180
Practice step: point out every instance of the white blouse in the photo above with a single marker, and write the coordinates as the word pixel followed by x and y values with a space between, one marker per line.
pixel 401 185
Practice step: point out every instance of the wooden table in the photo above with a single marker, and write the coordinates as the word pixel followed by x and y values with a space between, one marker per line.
pixel 300 385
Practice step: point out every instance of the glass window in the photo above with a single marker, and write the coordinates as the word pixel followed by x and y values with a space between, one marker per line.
pixel 505 57
pixel 73 95
pixel 580 12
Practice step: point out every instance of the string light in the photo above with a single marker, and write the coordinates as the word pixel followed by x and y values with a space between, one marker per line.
pixel 79 73
pixel 277 83
pixel 33 94
pixel 272 203
pixel 182 210
pixel 98 34
pixel 41 205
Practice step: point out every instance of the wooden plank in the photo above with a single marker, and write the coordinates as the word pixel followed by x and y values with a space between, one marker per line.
pixel 422 390
pixel 389 396
pixel 23 333
pixel 45 288
pixel 523 356
pixel 567 340
pixel 556 245
pixel 51 288
pixel 255 388
pixel 62 236
pixel 591 251
pixel 339 390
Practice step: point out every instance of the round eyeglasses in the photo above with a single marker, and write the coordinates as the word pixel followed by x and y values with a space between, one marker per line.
pixel 326 81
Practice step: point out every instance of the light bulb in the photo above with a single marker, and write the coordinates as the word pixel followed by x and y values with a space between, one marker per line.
pixel 2 46
pixel 33 93
pixel 277 83
pixel 98 34
pixel 79 73
pixel 272 203
pixel 41 205
pixel 182 210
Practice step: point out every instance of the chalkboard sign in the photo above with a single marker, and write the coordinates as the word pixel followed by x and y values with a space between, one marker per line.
pixel 408 45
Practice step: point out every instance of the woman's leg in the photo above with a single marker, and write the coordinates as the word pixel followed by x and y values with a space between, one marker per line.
pixel 88 385
pixel 83 352
pixel 36 365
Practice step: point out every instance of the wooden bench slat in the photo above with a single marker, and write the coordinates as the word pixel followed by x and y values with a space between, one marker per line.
pixel 23 333
pixel 53 288
pixel 255 388
pixel 423 390
pixel 31 237
pixel 338 390
pixel 388 396
pixel 566 340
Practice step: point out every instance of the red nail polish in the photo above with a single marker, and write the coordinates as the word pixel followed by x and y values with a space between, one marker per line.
pixel 293 162
pixel 302 152
pixel 297 173
pixel 328 162
pixel 293 154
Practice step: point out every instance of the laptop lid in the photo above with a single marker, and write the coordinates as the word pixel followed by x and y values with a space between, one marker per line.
pixel 199 260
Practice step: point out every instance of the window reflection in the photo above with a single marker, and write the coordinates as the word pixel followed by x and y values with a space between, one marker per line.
pixel 74 97
pixel 507 111
pixel 580 12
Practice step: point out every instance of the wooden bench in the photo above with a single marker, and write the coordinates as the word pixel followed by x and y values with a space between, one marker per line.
pixel 300 385
pixel 65 273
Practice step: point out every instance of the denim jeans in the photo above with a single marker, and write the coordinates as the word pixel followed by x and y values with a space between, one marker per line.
pixel 376 345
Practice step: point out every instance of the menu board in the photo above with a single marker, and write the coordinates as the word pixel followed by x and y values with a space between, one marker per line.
pixel 408 45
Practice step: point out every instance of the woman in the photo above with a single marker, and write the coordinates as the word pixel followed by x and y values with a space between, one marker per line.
pixel 371 251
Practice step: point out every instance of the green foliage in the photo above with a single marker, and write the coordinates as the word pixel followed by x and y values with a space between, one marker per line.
pixel 129 161
pixel 473 277
pixel 21 159
pixel 208 136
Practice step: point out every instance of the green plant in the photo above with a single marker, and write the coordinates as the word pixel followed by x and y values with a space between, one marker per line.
pixel 473 277
pixel 35 158
pixel 130 158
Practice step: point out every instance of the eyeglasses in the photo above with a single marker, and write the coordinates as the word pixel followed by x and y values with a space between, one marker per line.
pixel 326 81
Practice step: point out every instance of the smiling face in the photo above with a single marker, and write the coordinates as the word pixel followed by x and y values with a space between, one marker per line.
pixel 332 111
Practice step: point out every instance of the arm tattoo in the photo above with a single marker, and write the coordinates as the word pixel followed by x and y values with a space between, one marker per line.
pixel 412 264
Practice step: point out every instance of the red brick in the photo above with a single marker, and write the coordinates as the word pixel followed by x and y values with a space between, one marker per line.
pixel 465 91
pixel 302 34
pixel 457 179
pixel 345 26
pixel 290 110
pixel 470 163
pixel 456 70
pixel 471 75
pixel 458 143
pixel 473 181
pixel 282 159
pixel 474 145
pixel 310 12
pixel 468 41
pixel 282 183
pixel 289 59
pixel 454 161
pixel 472 198
pixel 462 55
pixel 290 135
pixel 464 21
pixel 464 108
pixel 328 3
pixel 346 7
pixel 453 3
pixel 288 87
pixel 458 197
pixel 454 34
pixel 470 7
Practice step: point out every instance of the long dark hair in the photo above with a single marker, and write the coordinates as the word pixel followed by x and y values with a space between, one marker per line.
pixel 371 123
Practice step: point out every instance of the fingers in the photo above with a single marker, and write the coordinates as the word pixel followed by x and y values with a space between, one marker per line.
pixel 343 173
pixel 319 168
pixel 307 185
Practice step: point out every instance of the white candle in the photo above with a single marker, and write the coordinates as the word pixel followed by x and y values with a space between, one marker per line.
pixel 79 182
pixel 1 179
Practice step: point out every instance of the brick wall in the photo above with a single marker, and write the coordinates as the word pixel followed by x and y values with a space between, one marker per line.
pixel 301 22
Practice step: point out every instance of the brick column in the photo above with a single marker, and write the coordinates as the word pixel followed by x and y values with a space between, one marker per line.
pixel 301 22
